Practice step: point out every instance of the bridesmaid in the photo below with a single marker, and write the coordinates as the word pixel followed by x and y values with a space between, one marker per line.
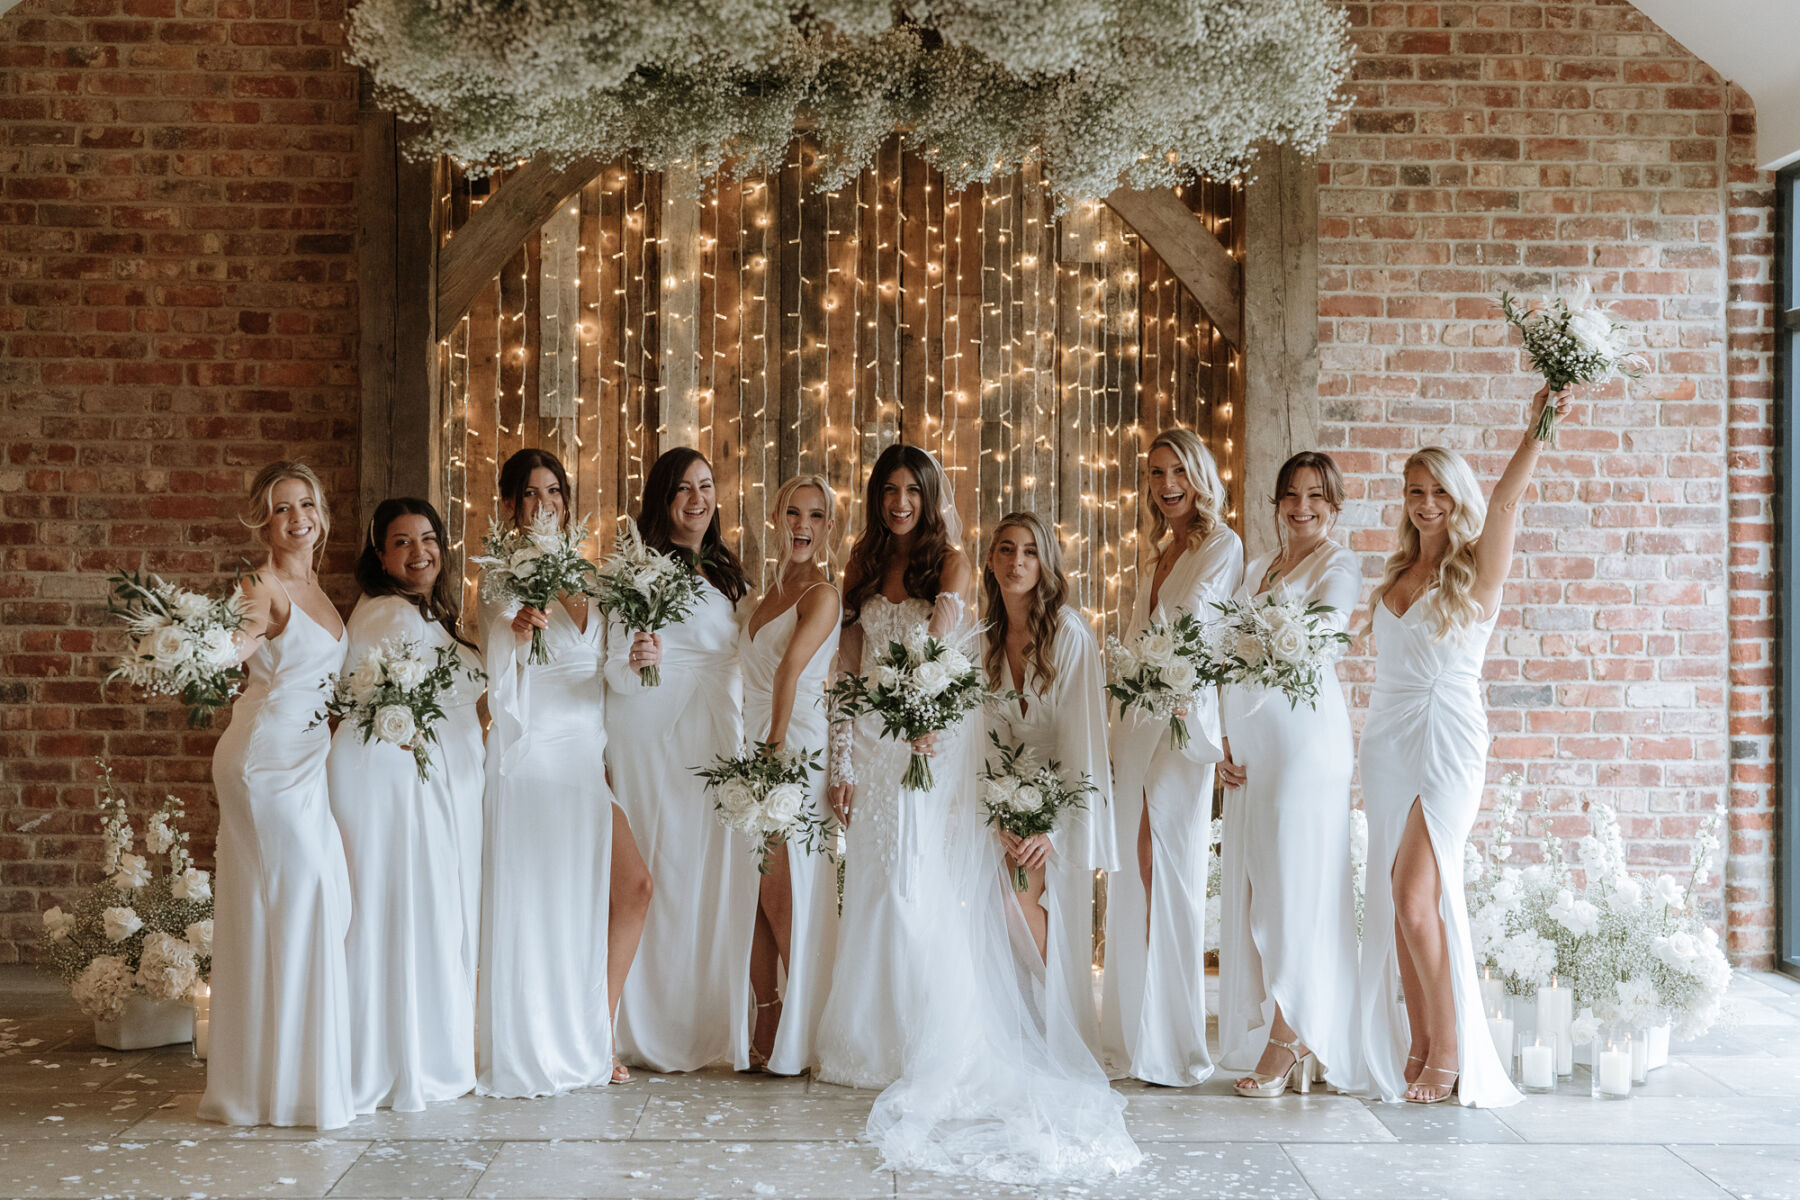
pixel 1153 1024
pixel 281 998
pixel 414 847
pixel 1287 945
pixel 563 888
pixel 1424 764
pixel 686 1004
pixel 1039 646
pixel 788 642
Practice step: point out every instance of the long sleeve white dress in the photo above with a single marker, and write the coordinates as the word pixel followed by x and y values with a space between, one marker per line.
pixel 414 851
pixel 1153 1009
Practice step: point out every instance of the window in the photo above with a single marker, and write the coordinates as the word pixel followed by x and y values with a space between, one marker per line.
pixel 1787 392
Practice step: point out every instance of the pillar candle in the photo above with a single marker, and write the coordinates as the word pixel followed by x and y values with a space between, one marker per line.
pixel 1493 991
pixel 1537 1065
pixel 1501 1030
pixel 1614 1070
pixel 1555 1014
pixel 202 1036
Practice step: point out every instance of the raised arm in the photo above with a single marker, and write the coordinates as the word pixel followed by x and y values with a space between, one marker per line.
pixel 1493 553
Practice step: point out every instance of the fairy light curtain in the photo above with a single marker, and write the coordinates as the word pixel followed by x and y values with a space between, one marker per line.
pixel 1035 355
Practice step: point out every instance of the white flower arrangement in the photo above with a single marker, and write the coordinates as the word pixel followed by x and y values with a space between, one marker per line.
pixel 138 930
pixel 534 566
pixel 1215 883
pixel 181 643
pixel 1162 670
pixel 1359 862
pixel 395 693
pixel 645 590
pixel 1570 341
pixel 1275 644
pixel 1144 93
pixel 1024 796
pixel 761 792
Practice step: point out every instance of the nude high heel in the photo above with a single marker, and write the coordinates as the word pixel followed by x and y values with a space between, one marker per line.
pixel 1300 1075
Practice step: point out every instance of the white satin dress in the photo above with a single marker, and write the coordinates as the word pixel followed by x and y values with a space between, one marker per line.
pixel 1287 927
pixel 687 999
pixel 1153 1006
pixel 1425 739
pixel 543 1015
pixel 812 932
pixel 280 987
pixel 1065 721
pixel 414 851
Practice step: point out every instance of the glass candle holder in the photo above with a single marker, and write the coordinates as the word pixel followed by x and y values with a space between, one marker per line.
pixel 1612 1063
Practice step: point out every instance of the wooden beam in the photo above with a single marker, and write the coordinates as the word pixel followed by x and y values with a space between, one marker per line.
pixel 679 312
pixel 1189 250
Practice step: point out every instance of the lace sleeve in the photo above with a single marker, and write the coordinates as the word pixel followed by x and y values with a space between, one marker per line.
pixel 840 763
pixel 946 615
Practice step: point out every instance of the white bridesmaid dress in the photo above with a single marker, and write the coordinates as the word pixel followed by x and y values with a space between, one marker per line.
pixel 414 851
pixel 1153 1007
pixel 1425 739
pixel 281 995
pixel 1287 927
pixel 687 999
pixel 1065 721
pixel 543 1012
pixel 812 933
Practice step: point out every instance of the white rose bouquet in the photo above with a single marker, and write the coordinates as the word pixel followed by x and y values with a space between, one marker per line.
pixel 141 929
pixel 534 566
pixel 394 693
pixel 1162 670
pixel 1276 644
pixel 917 687
pixel 181 642
pixel 761 792
pixel 1569 343
pixel 1025 796
pixel 646 590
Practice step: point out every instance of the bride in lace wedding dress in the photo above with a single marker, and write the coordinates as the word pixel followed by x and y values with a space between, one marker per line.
pixel 933 998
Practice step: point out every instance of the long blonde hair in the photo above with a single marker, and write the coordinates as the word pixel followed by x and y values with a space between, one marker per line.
pixel 778 511
pixel 1447 598
pixel 1203 476
pixel 259 507
pixel 1042 616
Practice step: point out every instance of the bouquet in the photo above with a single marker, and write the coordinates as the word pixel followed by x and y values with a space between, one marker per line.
pixel 1276 644
pixel 919 686
pixel 1162 671
pixel 761 793
pixel 534 566
pixel 181 641
pixel 146 927
pixel 394 694
pixel 1569 344
pixel 646 590
pixel 1024 796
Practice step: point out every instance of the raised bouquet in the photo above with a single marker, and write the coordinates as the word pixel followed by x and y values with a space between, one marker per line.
pixel 534 566
pixel 146 927
pixel 181 642
pixel 1276 644
pixel 1569 343
pixel 919 686
pixel 761 792
pixel 646 590
pixel 394 693
pixel 1161 671
pixel 1025 796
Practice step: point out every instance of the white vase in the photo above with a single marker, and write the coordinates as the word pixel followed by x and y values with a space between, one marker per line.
pixel 1659 1046
pixel 146 1023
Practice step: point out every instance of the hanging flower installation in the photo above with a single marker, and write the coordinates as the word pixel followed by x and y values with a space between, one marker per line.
pixel 1102 92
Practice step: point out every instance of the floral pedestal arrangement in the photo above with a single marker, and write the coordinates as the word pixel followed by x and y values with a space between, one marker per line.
pixel 143 1023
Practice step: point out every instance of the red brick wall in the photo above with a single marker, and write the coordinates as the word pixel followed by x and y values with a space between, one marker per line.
pixel 179 307
pixel 1524 145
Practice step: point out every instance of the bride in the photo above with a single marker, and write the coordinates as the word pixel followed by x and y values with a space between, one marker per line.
pixel 932 996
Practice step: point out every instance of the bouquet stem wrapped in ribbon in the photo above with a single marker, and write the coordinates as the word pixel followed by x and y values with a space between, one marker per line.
pixel 182 642
pixel 394 693
pixel 534 566
pixel 761 792
pixel 646 590
pixel 1024 796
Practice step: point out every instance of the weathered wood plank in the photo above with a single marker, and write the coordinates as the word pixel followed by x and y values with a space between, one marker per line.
pixel 1195 256
pixel 678 249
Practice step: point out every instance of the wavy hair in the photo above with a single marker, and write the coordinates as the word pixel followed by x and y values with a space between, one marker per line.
pixel 1331 482
pixel 785 493
pixel 259 507
pixel 515 477
pixel 1043 615
pixel 1203 475
pixel 1447 597
pixel 653 522
pixel 931 542
pixel 443 604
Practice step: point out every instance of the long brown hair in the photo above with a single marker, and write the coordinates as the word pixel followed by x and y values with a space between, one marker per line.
pixel 721 565
pixel 443 604
pixel 876 542
pixel 1043 616
pixel 515 477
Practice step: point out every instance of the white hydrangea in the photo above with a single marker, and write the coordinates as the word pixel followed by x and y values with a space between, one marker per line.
pixel 168 967
pixel 58 924
pixel 103 987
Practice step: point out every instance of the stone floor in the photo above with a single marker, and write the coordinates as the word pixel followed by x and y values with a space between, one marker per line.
pixel 1721 1120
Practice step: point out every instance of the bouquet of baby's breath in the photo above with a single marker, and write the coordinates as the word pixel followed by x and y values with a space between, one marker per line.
pixel 534 566
pixel 182 642
pixel 1025 796
pixel 1569 343
pixel 761 792
pixel 1162 670
pixel 646 590
pixel 140 929
pixel 394 693
pixel 1276 644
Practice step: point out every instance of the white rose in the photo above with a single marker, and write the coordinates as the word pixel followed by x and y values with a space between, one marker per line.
pixel 521 558
pixel 133 873
pixel 1288 643
pixel 955 662
pixel 1126 664
pixel 1629 891
pixel 199 936
pixel 1000 791
pixel 58 924
pixel 394 725
pixel 408 671
pixel 736 797
pixel 121 923
pixel 219 648
pixel 1157 649
pixel 189 606
pixel 1179 676
pixel 887 678
pixel 1668 891
pixel 364 678
pixel 193 884
pixel 931 677
pixel 1594 331
pixel 166 647
pixel 1029 798
pixel 1248 647
pixel 782 805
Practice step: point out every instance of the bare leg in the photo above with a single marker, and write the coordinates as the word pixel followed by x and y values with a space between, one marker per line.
pixel 1031 906
pixel 628 900
pixel 1145 855
pixel 769 947
pixel 1415 1017
pixel 1421 926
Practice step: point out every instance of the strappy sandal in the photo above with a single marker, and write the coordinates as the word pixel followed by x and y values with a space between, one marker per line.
pixel 1449 1087
pixel 1301 1074
pixel 620 1072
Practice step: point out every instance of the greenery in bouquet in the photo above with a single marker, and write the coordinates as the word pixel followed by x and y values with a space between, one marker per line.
pixel 1024 795
pixel 1162 670
pixel 1278 645
pixel 1569 343
pixel 645 590
pixel 394 693
pixel 762 792
pixel 534 566
pixel 181 642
